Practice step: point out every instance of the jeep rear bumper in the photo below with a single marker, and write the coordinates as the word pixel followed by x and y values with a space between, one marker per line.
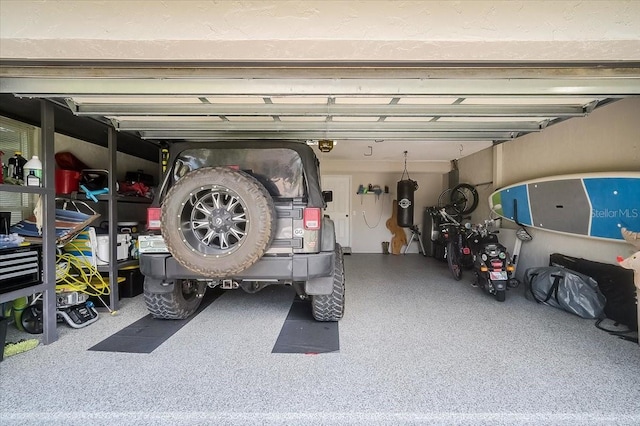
pixel 299 267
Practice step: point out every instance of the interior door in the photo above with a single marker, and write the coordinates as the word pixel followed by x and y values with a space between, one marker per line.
pixel 339 208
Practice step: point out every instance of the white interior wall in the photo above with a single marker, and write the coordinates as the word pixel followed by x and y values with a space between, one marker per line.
pixel 97 157
pixel 606 140
pixel 369 213
pixel 477 170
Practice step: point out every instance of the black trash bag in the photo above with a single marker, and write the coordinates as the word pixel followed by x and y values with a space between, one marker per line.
pixel 615 282
pixel 566 289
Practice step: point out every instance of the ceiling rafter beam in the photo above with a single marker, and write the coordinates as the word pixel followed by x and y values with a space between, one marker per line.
pixel 393 87
pixel 315 69
pixel 204 135
pixel 319 110
pixel 313 126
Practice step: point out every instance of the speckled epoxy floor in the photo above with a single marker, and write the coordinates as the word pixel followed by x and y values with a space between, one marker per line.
pixel 416 347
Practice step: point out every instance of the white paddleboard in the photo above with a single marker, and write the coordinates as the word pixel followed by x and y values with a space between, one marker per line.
pixel 594 205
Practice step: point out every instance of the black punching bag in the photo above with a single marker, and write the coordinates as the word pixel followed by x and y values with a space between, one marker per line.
pixel 406 188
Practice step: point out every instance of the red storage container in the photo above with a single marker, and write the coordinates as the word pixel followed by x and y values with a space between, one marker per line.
pixel 67 181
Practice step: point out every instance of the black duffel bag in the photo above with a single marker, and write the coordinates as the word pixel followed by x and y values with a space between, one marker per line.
pixel 566 289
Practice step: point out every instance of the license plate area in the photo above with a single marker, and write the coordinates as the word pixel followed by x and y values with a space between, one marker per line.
pixel 500 275
pixel 151 244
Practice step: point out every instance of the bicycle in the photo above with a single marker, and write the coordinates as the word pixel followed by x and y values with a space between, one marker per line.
pixel 460 200
pixel 457 251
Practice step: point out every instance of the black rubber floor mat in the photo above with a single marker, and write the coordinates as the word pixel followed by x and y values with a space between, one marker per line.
pixel 302 334
pixel 146 334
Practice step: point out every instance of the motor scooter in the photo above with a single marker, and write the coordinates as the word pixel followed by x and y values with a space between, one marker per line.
pixel 492 264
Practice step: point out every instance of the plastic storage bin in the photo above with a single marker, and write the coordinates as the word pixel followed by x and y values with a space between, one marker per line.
pixel 133 283
pixel 124 245
pixel 67 181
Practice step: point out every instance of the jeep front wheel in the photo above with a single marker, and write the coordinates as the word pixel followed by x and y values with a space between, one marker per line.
pixel 217 221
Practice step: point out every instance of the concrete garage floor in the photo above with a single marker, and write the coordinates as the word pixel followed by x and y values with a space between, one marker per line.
pixel 416 347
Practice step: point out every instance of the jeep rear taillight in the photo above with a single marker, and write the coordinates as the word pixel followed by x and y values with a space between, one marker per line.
pixel 312 218
pixel 153 217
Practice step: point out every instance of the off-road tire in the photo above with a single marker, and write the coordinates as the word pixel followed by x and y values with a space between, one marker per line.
pixel 214 207
pixel 181 303
pixel 330 307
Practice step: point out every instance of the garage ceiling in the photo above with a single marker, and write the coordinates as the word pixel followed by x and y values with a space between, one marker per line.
pixel 460 108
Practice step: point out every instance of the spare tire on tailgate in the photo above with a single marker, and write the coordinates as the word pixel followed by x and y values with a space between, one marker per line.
pixel 217 221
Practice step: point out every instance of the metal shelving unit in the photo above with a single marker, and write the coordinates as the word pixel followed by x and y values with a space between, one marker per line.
pixel 113 201
pixel 48 284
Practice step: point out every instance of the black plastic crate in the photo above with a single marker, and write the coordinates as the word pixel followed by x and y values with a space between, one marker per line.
pixel 133 284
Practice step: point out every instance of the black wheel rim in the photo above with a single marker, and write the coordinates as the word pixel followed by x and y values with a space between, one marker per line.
pixel 459 201
pixel 214 220
pixel 444 201
pixel 464 198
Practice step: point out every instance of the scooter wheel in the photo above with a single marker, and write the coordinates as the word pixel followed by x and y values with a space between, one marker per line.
pixel 501 295
pixel 32 320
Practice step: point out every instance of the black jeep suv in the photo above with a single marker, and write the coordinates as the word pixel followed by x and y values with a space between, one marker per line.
pixel 240 214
